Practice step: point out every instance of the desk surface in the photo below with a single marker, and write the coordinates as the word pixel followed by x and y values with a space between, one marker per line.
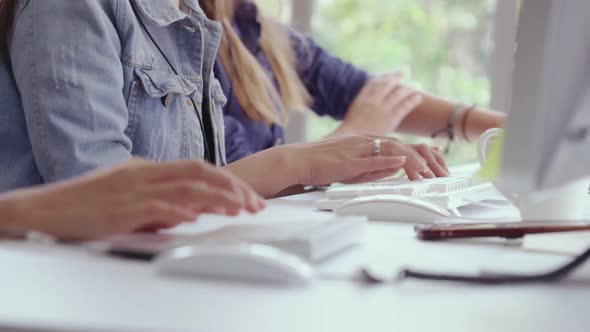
pixel 63 287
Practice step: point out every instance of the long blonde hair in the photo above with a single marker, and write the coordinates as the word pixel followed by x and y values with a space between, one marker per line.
pixel 252 86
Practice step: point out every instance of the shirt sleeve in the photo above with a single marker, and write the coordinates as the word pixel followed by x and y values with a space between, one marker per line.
pixel 332 82
pixel 66 61
pixel 237 145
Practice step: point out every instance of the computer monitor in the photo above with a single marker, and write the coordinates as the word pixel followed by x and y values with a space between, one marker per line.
pixel 547 140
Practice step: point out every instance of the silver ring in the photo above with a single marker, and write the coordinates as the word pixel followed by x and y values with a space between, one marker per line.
pixel 377 147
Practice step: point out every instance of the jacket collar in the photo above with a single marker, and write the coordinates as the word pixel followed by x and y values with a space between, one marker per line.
pixel 163 12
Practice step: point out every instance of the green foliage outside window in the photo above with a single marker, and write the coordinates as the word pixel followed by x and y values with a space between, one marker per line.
pixel 446 43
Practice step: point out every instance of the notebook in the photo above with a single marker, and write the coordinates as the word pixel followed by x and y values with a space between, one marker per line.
pixel 314 240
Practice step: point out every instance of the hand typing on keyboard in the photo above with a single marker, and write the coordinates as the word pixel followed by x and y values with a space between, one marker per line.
pixel 447 192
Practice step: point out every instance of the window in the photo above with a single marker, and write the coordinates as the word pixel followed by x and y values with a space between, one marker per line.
pixel 448 44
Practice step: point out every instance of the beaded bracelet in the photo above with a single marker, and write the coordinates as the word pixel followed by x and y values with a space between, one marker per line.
pixel 466 114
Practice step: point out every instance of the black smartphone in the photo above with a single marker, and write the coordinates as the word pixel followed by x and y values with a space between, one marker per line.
pixel 507 230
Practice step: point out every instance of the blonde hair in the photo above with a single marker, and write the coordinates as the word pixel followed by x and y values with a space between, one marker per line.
pixel 252 86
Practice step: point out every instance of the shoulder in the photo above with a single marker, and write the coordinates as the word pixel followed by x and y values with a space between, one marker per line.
pixel 67 9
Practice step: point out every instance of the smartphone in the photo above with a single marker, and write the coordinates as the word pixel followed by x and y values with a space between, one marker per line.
pixel 507 230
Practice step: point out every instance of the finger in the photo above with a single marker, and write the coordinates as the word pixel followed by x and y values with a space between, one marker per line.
pixel 252 200
pixel 398 95
pixel 428 174
pixel 390 85
pixel 367 149
pixel 377 164
pixel 158 212
pixel 413 175
pixel 376 87
pixel 373 176
pixel 439 158
pixel 254 203
pixel 154 172
pixel 183 193
pixel 217 210
pixel 414 166
pixel 433 164
pixel 390 147
pixel 441 161
pixel 155 227
pixel 218 177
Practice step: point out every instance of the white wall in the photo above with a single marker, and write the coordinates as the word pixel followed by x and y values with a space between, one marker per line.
pixel 503 57
pixel 302 10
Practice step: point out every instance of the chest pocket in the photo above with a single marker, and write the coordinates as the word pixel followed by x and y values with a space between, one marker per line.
pixel 219 101
pixel 162 122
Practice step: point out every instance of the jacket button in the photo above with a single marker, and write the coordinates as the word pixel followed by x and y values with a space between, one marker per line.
pixel 189 28
pixel 167 100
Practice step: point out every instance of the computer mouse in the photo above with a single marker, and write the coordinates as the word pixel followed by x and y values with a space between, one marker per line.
pixel 394 208
pixel 238 262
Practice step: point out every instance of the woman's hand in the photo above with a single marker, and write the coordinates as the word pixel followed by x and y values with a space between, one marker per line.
pixel 351 159
pixel 380 106
pixel 430 156
pixel 139 195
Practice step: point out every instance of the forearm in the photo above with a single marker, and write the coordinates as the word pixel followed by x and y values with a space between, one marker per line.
pixel 9 212
pixel 269 172
pixel 434 113
pixel 18 209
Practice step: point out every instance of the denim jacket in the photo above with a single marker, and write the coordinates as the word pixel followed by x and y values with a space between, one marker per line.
pixel 87 88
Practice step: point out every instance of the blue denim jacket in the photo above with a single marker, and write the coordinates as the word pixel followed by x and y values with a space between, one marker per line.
pixel 95 90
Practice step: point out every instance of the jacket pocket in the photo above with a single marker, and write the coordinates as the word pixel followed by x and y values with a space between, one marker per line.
pixel 160 84
pixel 152 90
pixel 162 123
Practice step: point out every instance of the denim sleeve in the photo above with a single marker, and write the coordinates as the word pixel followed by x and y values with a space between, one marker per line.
pixel 237 145
pixel 66 61
pixel 333 83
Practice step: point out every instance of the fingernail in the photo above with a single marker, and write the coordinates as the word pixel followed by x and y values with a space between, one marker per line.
pixel 233 212
pixel 221 210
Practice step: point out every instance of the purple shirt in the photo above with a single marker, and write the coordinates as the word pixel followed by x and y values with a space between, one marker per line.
pixel 332 83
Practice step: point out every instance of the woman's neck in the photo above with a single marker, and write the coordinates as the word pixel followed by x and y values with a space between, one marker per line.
pixel 176 3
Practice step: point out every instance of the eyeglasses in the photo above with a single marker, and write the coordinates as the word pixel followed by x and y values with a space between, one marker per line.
pixel 485 278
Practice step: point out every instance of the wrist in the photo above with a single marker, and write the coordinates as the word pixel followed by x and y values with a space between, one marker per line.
pixel 270 171
pixel 14 212
pixel 480 120
pixel 345 128
pixel 291 164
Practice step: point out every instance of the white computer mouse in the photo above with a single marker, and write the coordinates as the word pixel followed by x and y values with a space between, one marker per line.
pixel 238 262
pixel 394 208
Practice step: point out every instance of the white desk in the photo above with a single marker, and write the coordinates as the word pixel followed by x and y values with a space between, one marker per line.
pixel 68 288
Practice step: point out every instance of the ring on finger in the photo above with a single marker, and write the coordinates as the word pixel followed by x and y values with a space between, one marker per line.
pixel 377 147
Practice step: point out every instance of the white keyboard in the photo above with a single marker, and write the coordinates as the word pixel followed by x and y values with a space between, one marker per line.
pixel 449 193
